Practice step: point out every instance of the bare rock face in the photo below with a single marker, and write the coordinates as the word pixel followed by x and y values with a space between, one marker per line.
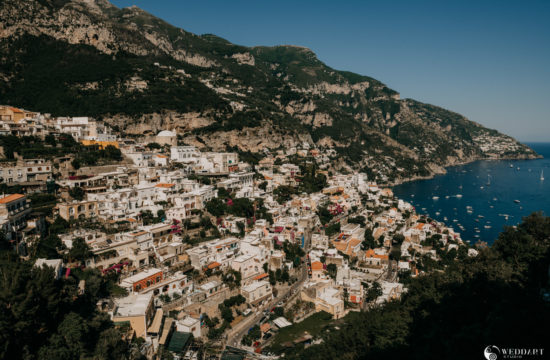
pixel 149 124
pixel 244 59
pixel 222 87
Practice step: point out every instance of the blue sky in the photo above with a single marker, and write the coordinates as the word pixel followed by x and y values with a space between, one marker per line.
pixel 488 60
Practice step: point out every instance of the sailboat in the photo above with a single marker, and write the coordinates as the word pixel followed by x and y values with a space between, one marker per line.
pixel 542 175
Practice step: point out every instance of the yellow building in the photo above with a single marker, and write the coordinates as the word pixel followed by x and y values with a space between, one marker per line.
pixel 101 144
pixel 137 310
pixel 8 113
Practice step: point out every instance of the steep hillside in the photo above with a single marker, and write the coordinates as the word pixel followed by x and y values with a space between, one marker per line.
pixel 140 74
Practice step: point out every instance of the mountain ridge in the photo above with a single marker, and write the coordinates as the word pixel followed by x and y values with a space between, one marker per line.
pixel 143 75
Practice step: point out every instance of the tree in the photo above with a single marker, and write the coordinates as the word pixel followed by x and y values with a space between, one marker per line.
pixel 76 164
pixel 47 247
pixel 77 193
pixel 332 270
pixel 112 153
pixel 60 323
pixel 226 313
pixel 59 226
pixel 154 145
pixel 395 254
pixel 216 207
pixel 50 140
pixel 285 276
pixel 80 250
pixel 398 239
pixel 374 291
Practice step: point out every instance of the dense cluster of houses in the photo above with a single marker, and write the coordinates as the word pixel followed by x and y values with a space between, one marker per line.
pixel 145 219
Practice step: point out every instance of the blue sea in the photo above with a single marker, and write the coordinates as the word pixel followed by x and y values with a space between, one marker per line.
pixel 494 194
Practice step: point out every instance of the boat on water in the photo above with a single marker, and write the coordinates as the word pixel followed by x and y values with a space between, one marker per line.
pixel 481 187
pixel 487 226
pixel 446 197
pixel 495 199
pixel 517 201
pixel 435 198
pixel 488 180
pixel 455 220
pixel 542 175
pixel 459 196
pixel 511 165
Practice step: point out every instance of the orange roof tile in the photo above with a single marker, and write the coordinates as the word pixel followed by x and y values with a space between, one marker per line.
pixel 341 246
pixel 213 265
pixel 316 265
pixel 261 276
pixel 354 242
pixel 164 185
pixel 10 198
pixel 265 327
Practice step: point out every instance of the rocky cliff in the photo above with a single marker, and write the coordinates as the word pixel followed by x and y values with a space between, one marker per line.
pixel 141 75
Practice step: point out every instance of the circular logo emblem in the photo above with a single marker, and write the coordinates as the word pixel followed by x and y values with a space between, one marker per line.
pixel 491 352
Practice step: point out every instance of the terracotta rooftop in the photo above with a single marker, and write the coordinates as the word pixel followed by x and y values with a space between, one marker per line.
pixel 10 198
pixel 164 185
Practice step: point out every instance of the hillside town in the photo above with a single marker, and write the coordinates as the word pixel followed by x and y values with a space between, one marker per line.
pixel 209 254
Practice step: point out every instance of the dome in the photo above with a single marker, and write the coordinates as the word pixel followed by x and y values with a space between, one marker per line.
pixel 167 133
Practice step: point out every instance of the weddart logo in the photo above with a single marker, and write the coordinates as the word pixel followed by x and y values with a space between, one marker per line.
pixel 493 352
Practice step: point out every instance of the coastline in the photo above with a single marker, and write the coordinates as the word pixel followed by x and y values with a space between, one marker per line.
pixel 461 163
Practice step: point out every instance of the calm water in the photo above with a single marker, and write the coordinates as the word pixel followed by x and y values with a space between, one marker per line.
pixel 489 189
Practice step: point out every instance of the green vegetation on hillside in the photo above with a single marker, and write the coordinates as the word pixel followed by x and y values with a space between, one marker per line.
pixel 44 318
